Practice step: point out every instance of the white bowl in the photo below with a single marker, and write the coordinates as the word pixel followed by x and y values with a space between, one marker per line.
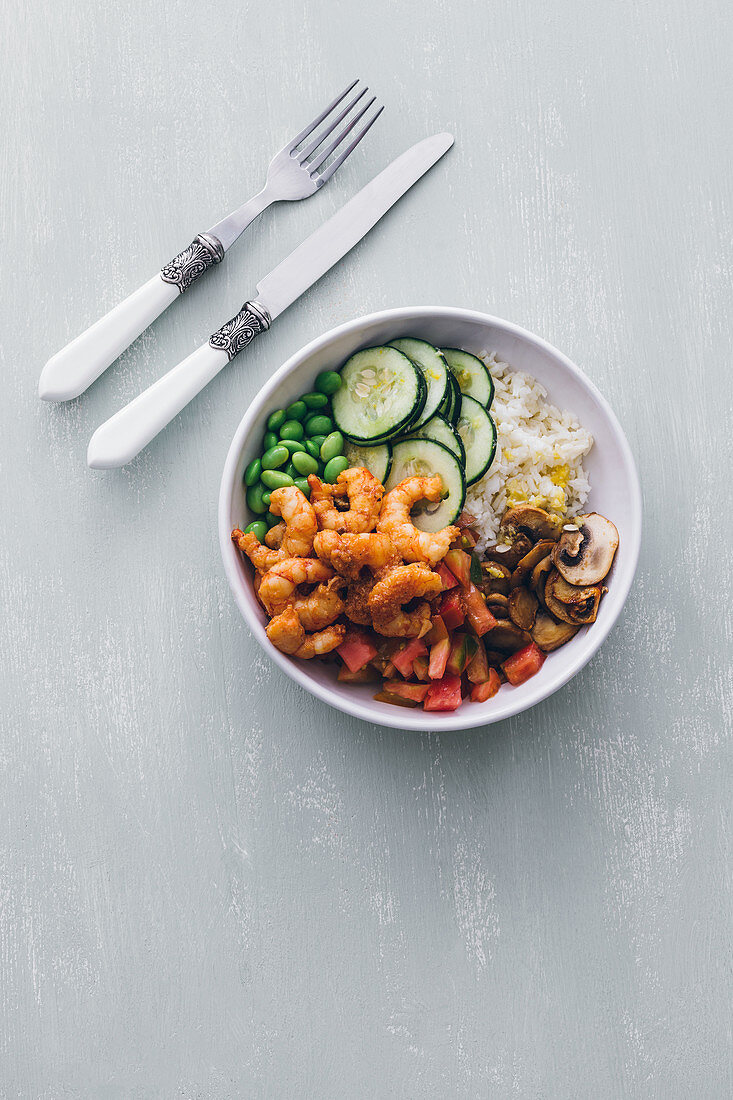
pixel 610 466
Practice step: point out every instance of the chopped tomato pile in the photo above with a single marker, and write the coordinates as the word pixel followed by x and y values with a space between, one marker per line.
pixel 453 661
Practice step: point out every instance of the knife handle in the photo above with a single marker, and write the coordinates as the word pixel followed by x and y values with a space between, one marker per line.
pixel 75 367
pixel 125 434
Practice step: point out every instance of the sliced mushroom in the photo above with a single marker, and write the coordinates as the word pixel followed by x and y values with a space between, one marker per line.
pixel 495 658
pixel 585 555
pixel 539 573
pixel 523 607
pixel 509 554
pixel 570 603
pixel 549 634
pixel 495 578
pixel 498 605
pixel 526 564
pixel 507 637
pixel 532 521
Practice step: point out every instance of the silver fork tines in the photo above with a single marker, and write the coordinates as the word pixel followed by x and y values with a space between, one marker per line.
pixel 295 172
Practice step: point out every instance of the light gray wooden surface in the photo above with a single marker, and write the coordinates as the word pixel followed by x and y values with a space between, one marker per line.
pixel 212 886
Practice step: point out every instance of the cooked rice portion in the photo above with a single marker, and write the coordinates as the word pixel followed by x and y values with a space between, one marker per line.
pixel 539 454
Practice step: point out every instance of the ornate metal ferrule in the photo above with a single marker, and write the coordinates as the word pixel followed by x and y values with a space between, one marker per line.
pixel 203 252
pixel 234 336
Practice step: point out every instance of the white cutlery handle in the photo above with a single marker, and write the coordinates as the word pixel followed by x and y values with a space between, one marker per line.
pixel 124 435
pixel 75 367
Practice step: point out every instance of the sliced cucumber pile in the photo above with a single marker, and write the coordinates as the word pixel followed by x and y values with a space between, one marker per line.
pixel 442 431
pixel 434 370
pixel 377 460
pixel 471 375
pixel 382 394
pixel 426 458
pixel 478 433
pixel 409 408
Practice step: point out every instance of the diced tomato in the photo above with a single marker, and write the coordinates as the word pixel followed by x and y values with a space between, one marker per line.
pixel 366 675
pixel 465 519
pixel 462 650
pixel 523 664
pixel 469 538
pixel 446 577
pixel 404 658
pixel 356 650
pixel 420 668
pixel 444 694
pixel 437 631
pixel 459 563
pixel 439 654
pixel 481 692
pixel 478 669
pixel 451 610
pixel 477 612
pixel 416 692
pixel 396 700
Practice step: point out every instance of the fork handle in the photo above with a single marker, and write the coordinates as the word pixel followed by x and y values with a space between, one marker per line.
pixel 123 436
pixel 75 367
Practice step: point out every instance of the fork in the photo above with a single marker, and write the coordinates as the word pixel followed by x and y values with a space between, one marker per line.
pixel 293 173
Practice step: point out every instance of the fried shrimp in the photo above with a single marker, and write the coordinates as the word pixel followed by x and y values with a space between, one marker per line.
pixel 286 631
pixel 280 583
pixel 316 645
pixel 350 553
pixel 322 606
pixel 356 601
pixel 397 588
pixel 364 494
pixel 299 517
pixel 261 557
pixel 394 521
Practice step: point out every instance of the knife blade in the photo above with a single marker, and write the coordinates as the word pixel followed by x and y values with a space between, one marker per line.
pixel 125 434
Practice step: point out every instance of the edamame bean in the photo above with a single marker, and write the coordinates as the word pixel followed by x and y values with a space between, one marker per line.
pixel 292 445
pixel 328 382
pixel 276 479
pixel 315 400
pixel 266 499
pixel 318 425
pixel 276 420
pixel 292 429
pixel 258 528
pixel 270 440
pixel 274 457
pixel 290 470
pixel 255 499
pixel 271 520
pixel 318 440
pixel 253 471
pixel 303 485
pixel 297 410
pixel 305 464
pixel 312 448
pixel 335 467
pixel 332 446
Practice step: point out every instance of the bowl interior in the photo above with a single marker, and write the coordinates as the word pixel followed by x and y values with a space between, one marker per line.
pixel 610 467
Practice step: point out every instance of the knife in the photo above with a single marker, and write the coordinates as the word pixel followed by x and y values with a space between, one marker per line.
pixel 125 434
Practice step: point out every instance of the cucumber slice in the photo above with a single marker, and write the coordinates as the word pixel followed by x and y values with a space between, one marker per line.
pixel 478 432
pixel 426 458
pixel 434 369
pixel 377 460
pixel 382 392
pixel 471 374
pixel 442 431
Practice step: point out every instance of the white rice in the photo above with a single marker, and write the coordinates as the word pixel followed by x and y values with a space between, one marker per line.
pixel 539 453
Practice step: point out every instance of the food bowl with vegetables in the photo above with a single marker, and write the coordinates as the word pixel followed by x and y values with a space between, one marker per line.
pixel 430 518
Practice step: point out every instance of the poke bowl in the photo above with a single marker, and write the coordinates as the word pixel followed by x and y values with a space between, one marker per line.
pixel 599 477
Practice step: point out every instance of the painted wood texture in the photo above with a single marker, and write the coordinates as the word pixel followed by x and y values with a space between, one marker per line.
pixel 210 885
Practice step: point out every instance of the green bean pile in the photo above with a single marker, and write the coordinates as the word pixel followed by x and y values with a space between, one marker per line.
pixel 299 441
